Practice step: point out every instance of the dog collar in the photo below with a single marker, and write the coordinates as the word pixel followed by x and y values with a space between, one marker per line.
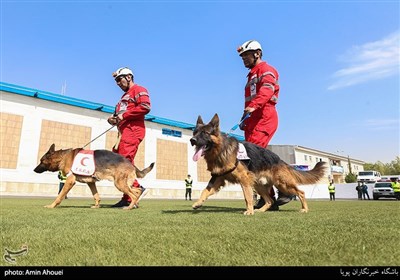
pixel 226 172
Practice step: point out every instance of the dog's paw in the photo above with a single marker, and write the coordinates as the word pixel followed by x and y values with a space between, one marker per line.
pixel 95 206
pixel 248 212
pixel 263 209
pixel 303 210
pixel 196 205
pixel 49 206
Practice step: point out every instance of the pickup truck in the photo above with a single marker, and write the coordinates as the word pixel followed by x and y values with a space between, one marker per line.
pixel 383 188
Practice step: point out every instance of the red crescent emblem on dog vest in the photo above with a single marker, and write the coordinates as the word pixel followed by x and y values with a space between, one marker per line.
pixel 84 163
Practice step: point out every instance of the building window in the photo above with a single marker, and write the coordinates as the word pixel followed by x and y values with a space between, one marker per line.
pixel 305 157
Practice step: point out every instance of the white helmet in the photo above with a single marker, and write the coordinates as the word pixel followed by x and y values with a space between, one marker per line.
pixel 123 71
pixel 251 45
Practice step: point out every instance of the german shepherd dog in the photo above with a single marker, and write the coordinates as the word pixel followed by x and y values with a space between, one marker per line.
pixel 263 170
pixel 108 166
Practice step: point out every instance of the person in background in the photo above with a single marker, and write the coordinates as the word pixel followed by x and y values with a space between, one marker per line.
pixel 396 187
pixel 260 118
pixel 189 183
pixel 331 189
pixel 359 190
pixel 129 114
pixel 364 189
pixel 62 179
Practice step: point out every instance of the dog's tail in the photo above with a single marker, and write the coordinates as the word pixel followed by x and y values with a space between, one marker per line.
pixel 142 173
pixel 309 177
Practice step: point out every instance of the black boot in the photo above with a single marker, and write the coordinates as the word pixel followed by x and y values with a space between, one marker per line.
pixel 121 203
pixel 284 198
pixel 274 206
pixel 260 203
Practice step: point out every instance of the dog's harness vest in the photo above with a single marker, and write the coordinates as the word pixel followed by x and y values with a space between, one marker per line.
pixel 242 153
pixel 83 163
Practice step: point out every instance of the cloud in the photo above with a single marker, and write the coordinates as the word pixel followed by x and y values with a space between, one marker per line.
pixel 383 124
pixel 371 61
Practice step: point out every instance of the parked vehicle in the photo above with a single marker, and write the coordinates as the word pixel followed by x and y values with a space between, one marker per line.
pixel 368 176
pixel 390 177
pixel 383 188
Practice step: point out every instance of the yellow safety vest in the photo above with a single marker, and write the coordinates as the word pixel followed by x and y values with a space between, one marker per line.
pixel 331 188
pixel 62 177
pixel 189 183
pixel 396 186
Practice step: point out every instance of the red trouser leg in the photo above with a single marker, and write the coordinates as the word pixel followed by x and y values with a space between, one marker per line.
pixel 260 130
pixel 129 151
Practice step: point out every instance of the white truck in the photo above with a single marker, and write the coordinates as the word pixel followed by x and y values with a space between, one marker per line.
pixel 368 176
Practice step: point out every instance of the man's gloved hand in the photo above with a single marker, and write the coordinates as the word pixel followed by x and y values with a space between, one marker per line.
pixel 242 126
pixel 116 117
pixel 113 120
pixel 242 120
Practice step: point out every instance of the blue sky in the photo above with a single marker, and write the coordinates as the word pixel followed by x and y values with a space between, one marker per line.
pixel 338 62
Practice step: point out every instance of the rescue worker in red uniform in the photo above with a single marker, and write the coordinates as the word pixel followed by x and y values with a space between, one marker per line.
pixel 129 117
pixel 261 96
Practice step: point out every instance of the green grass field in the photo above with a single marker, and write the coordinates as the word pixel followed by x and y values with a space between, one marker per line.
pixel 170 233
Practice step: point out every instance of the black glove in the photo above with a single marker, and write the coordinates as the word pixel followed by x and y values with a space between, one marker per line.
pixel 242 120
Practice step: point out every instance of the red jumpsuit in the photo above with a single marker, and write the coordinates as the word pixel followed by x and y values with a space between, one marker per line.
pixel 261 93
pixel 134 105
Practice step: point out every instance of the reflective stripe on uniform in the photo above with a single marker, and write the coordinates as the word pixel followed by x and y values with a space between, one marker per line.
pixel 134 99
pixel 274 98
pixel 256 80
pixel 269 73
pixel 268 85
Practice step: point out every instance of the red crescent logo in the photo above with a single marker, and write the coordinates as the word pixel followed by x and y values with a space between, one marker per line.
pixel 83 161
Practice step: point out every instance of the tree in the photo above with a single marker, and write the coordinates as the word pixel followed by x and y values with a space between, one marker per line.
pixel 392 168
pixel 350 178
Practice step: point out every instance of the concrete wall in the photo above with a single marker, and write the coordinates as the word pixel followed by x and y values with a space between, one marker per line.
pixel 164 190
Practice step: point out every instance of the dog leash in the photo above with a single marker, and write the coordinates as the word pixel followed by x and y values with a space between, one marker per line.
pixel 99 136
pixel 115 115
pixel 238 124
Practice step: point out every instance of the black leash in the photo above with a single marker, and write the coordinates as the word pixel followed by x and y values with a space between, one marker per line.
pixel 99 136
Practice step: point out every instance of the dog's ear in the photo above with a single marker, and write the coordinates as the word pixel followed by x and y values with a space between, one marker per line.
pixel 52 148
pixel 199 121
pixel 215 121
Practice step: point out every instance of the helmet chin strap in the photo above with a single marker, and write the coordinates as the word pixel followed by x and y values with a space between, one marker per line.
pixel 127 81
pixel 255 60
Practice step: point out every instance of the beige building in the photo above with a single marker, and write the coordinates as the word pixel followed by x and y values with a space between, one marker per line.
pixel 306 158
pixel 31 120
